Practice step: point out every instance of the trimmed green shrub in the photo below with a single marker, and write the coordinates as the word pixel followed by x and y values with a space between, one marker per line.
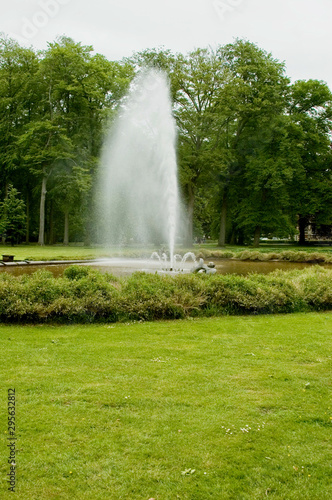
pixel 85 295
pixel 262 255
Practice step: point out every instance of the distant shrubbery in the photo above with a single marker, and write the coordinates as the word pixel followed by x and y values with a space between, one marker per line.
pixel 256 255
pixel 85 295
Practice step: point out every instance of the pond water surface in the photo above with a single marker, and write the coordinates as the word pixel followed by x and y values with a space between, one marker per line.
pixel 125 267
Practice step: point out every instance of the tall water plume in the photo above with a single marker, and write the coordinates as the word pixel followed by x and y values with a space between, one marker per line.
pixel 138 182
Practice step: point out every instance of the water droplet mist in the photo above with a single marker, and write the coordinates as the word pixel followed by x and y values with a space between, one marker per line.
pixel 138 189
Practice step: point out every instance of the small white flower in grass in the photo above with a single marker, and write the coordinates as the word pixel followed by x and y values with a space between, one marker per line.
pixel 188 472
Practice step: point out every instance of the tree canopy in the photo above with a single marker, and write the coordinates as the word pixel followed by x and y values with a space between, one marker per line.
pixel 254 149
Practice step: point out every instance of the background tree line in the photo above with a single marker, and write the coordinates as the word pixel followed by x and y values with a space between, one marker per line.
pixel 254 149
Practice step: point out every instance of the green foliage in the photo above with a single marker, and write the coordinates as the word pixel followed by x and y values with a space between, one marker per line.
pixel 76 272
pixel 255 294
pixel 254 151
pixel 219 254
pixel 12 216
pixel 18 95
pixel 310 110
pixel 85 295
pixel 53 111
pixel 317 292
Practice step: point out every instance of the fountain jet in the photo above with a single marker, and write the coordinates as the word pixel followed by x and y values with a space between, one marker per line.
pixel 138 188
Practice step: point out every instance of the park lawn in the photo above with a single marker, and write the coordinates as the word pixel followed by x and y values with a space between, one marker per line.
pixel 55 252
pixel 269 247
pixel 225 408
pixel 75 252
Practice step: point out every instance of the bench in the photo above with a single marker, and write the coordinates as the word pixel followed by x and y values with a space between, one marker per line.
pixel 8 258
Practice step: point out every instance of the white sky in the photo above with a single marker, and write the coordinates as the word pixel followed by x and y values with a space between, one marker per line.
pixel 295 31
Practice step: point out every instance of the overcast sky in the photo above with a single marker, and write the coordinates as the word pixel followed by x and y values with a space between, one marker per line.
pixel 295 31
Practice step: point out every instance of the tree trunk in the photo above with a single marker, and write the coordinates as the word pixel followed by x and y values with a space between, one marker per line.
pixel 87 237
pixel 233 238
pixel 3 238
pixel 41 238
pixel 27 227
pixel 66 231
pixel 257 236
pixel 302 227
pixel 51 239
pixel 191 201
pixel 223 220
pixel 240 239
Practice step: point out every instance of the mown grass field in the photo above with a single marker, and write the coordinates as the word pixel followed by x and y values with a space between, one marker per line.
pixel 226 408
pixel 55 252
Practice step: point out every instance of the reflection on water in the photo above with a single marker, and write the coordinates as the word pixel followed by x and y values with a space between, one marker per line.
pixel 125 267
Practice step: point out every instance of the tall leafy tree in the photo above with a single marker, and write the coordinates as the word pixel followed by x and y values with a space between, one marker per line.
pixel 18 69
pixel 252 101
pixel 310 109
pixel 77 92
pixel 45 144
pixel 200 78
pixel 271 163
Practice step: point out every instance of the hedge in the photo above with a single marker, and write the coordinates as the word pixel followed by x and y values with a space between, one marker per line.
pixel 84 295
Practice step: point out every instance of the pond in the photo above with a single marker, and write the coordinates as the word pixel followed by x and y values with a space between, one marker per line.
pixel 125 267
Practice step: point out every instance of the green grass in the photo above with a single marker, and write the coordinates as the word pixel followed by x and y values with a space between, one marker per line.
pixel 71 252
pixel 128 411
pixel 74 252
pixel 55 252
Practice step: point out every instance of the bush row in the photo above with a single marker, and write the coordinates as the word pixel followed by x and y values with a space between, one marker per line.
pixel 85 295
pixel 286 255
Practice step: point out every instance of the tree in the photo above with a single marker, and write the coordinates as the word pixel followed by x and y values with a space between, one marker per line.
pixel 271 165
pixel 84 91
pixel 71 184
pixel 45 143
pixel 251 100
pixel 310 109
pixel 12 216
pixel 17 69
pixel 199 79
pixel 76 92
pixel 18 98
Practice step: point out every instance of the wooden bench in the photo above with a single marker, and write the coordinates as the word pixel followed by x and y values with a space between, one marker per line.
pixel 8 258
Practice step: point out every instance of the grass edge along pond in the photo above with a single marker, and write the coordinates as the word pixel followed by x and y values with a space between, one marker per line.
pixel 290 253
pixel 230 408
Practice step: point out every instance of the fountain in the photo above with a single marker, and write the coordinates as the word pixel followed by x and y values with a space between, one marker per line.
pixel 203 268
pixel 138 192
pixel 178 265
